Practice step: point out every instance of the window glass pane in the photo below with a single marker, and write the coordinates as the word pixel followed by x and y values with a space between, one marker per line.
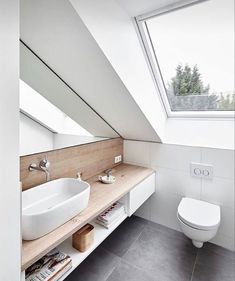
pixel 194 47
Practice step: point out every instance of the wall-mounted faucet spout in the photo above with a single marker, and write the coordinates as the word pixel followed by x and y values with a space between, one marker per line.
pixel 43 166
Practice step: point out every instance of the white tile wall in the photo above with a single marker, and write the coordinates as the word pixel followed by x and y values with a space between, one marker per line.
pixel 178 183
pixel 225 235
pixel 227 222
pixel 173 156
pixel 172 164
pixel 219 191
pixel 139 153
pixel 221 159
pixel 224 241
pixel 163 209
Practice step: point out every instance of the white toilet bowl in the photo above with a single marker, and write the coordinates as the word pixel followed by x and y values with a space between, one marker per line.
pixel 198 220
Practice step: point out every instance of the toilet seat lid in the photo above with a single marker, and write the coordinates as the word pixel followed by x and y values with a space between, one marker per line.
pixel 199 214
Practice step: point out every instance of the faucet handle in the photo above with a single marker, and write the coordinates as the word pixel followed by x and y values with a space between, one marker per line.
pixel 44 164
pixel 108 172
pixel 79 176
pixel 32 167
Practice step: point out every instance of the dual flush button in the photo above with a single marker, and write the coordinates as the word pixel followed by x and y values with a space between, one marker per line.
pixel 201 170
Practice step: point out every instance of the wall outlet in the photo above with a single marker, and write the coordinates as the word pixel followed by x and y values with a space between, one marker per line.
pixel 117 159
pixel 199 170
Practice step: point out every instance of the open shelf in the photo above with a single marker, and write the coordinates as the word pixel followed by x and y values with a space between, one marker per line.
pixel 132 188
pixel 77 257
pixel 128 177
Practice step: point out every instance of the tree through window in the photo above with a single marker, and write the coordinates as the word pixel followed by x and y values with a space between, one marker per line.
pixel 194 51
pixel 187 90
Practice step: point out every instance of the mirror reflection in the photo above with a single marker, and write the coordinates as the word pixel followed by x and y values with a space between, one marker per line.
pixel 52 115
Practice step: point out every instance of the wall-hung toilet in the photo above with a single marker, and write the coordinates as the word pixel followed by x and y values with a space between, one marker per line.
pixel 198 220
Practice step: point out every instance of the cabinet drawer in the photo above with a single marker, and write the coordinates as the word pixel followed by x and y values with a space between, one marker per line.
pixel 140 193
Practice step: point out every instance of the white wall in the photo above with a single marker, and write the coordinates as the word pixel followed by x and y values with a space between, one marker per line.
pixel 202 132
pixel 10 210
pixel 34 137
pixel 62 140
pixel 172 164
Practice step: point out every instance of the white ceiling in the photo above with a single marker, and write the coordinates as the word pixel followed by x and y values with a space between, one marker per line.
pixel 139 7
pixel 57 34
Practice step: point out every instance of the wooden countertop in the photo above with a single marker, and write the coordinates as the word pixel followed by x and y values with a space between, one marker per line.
pixel 101 196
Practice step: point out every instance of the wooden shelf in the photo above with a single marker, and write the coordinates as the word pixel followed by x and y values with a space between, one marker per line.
pixel 101 197
pixel 77 257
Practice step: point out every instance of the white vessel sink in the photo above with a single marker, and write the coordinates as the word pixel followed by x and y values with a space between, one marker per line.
pixel 49 205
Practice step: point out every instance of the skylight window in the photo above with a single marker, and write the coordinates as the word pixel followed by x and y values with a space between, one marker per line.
pixel 191 53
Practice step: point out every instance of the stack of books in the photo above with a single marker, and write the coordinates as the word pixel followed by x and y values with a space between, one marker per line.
pixel 111 215
pixel 51 267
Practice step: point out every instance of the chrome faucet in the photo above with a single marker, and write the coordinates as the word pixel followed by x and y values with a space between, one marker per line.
pixel 43 166
pixel 108 173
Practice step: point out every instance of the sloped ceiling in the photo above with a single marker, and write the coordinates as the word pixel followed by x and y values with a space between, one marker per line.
pixel 115 33
pixel 56 33
pixel 139 7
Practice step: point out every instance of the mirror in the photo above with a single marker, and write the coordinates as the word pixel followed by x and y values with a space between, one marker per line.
pixel 52 114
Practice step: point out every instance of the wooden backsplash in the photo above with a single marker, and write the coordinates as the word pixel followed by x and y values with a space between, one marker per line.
pixel 88 159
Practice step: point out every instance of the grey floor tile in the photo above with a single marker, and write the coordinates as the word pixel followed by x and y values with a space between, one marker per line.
pixel 205 273
pixel 219 250
pixel 168 231
pixel 215 263
pixel 139 220
pixel 162 256
pixel 122 238
pixel 127 272
pixel 151 252
pixel 97 267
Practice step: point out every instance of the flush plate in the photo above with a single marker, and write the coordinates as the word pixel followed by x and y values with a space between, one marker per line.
pixel 201 170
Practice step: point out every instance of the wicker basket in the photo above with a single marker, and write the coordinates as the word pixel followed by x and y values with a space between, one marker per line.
pixel 83 238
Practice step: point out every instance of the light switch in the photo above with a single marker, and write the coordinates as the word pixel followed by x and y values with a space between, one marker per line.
pixel 118 159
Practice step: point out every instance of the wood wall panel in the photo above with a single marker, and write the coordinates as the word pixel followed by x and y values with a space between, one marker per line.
pixel 88 159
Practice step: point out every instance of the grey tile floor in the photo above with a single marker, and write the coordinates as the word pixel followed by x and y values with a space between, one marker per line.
pixel 139 250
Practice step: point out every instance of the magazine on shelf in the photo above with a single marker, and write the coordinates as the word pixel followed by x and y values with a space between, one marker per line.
pixel 111 215
pixel 50 267
pixel 110 224
pixel 111 212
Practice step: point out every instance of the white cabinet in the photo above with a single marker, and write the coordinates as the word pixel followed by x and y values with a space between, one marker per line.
pixel 140 193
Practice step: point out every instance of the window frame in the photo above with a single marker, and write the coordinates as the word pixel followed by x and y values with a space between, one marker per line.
pixel 152 61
